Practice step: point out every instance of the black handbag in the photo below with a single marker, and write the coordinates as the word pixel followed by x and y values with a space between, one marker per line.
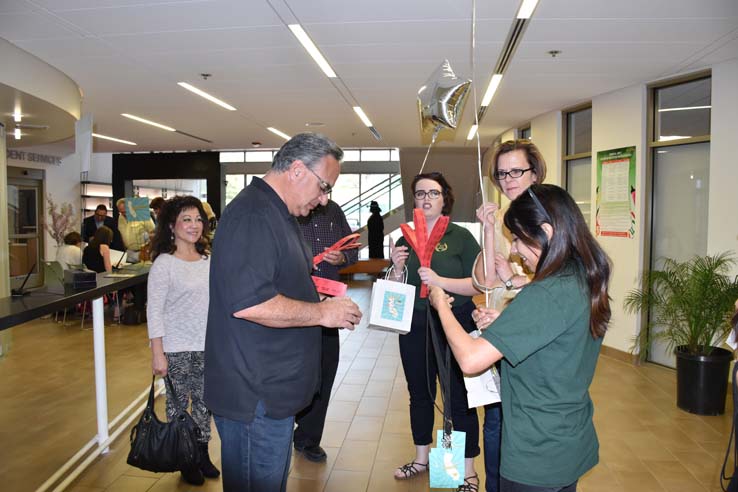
pixel 164 446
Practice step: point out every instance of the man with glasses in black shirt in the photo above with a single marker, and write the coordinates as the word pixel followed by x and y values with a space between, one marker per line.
pixel 263 342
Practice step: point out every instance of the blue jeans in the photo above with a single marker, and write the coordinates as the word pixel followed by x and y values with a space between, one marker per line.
pixel 492 434
pixel 508 486
pixel 256 455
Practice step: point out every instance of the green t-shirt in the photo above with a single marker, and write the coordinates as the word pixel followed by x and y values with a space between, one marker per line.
pixel 548 438
pixel 453 258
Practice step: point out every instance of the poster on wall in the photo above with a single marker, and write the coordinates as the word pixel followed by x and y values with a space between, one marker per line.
pixel 616 193
pixel 137 209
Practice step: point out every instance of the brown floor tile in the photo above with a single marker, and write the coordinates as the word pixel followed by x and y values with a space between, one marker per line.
pixel 343 480
pixel 365 429
pixel 372 406
pixel 356 456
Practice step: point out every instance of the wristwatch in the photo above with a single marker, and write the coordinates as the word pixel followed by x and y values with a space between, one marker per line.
pixel 508 283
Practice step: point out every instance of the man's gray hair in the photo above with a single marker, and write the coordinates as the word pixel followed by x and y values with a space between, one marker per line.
pixel 308 148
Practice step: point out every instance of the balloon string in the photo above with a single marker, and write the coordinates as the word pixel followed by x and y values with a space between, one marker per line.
pixel 433 140
pixel 479 147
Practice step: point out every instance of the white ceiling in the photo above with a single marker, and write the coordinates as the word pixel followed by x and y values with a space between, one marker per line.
pixel 128 55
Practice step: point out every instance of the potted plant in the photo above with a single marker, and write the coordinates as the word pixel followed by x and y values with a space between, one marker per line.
pixel 691 303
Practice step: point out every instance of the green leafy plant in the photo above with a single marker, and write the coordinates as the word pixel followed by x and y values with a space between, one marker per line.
pixel 691 302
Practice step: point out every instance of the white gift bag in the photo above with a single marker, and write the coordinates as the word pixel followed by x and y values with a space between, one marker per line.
pixel 484 388
pixel 392 306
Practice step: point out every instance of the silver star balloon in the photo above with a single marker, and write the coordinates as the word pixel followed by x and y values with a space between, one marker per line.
pixel 442 98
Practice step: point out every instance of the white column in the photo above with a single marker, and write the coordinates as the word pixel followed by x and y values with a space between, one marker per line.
pixel 4 248
pixel 101 389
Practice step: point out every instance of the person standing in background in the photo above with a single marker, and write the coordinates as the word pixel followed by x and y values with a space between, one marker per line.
pixel 155 206
pixel 322 228
pixel 375 227
pixel 100 218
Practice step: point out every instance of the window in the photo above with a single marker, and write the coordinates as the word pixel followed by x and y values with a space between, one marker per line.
pixel 578 157
pixel 679 152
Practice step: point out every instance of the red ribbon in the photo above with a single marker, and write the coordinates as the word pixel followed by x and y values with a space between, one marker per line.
pixel 348 242
pixel 421 243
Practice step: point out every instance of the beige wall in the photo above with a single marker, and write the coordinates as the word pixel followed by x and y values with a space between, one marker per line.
pixel 722 225
pixel 619 120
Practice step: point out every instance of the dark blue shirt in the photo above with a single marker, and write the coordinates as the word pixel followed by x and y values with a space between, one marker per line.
pixel 323 228
pixel 259 253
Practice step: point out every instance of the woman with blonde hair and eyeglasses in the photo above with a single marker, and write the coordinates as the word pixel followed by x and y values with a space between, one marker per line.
pixel 516 165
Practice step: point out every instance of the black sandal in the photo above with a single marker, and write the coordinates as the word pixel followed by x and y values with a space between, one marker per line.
pixel 467 486
pixel 410 470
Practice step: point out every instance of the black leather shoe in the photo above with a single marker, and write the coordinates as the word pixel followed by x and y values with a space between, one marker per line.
pixel 316 454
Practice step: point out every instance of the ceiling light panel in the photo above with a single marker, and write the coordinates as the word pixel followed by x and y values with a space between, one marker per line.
pixel 148 122
pixel 205 95
pixel 278 133
pixel 113 139
pixel 312 50
pixel 526 9
pixel 362 116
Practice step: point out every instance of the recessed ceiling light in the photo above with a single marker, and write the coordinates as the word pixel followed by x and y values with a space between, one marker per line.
pixel 152 123
pixel 105 137
pixel 472 132
pixel 491 89
pixel 526 9
pixel 314 124
pixel 362 116
pixel 17 133
pixel 207 96
pixel 17 116
pixel 277 132
pixel 312 50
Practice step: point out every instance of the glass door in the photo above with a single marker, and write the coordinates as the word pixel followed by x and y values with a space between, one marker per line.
pixel 24 233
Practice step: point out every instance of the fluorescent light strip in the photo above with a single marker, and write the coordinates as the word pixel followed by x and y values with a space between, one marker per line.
pixel 472 132
pixel 277 132
pixel 17 133
pixel 105 137
pixel 493 84
pixel 526 9
pixel 362 115
pixel 207 96
pixel 683 109
pixel 17 116
pixel 312 50
pixel 158 125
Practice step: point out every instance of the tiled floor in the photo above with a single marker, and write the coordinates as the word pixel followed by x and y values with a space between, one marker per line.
pixel 647 444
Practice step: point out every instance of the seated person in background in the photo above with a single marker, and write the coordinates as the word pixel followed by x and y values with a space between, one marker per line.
pixel 96 255
pixel 70 254
pixel 99 219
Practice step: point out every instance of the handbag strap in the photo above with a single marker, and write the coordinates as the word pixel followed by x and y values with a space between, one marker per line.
pixel 443 363
pixel 392 269
pixel 171 392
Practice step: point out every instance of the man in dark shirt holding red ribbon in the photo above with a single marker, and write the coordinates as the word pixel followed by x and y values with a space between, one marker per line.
pixel 325 226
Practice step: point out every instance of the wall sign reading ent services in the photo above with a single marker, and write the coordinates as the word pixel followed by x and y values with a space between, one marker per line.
pixel 18 155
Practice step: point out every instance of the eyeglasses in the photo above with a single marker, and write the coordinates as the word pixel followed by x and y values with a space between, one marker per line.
pixel 432 194
pixel 513 173
pixel 325 186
